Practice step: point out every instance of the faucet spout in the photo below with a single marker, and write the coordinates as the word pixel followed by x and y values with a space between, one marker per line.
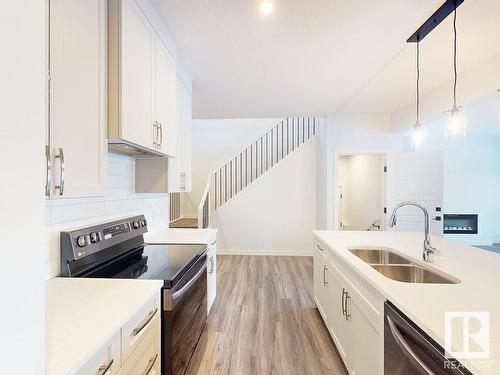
pixel 429 250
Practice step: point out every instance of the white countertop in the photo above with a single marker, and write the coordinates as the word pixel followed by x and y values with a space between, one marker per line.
pixel 182 236
pixel 479 288
pixel 82 314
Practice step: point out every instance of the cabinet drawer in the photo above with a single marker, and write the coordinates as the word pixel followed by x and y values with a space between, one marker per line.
pixel 107 360
pixel 139 326
pixel 146 358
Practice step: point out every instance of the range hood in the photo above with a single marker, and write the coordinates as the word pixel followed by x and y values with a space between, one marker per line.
pixel 128 148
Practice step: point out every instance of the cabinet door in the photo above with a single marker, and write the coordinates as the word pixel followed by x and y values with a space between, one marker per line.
pixel 78 96
pixel 146 359
pixel 165 100
pixel 334 309
pixel 365 339
pixel 186 141
pixel 137 76
pixel 177 167
pixel 212 275
pixel 107 357
pixel 320 282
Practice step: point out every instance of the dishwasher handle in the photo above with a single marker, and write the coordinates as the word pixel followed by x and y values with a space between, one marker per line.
pixel 405 347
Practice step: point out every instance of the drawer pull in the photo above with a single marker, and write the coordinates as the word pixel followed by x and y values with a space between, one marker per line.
pixel 151 364
pixel 319 248
pixel 105 368
pixel 144 323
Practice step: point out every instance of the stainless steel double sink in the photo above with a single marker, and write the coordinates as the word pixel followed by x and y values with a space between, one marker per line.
pixel 398 267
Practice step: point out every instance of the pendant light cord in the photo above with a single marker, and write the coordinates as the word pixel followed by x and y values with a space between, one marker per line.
pixel 418 82
pixel 455 57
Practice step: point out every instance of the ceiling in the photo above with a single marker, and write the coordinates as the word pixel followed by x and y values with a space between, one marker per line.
pixel 319 56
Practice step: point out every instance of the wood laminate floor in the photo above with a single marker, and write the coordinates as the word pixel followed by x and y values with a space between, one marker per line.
pixel 185 222
pixel 264 320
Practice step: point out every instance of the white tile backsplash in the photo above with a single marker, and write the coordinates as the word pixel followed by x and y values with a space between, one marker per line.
pixel 120 201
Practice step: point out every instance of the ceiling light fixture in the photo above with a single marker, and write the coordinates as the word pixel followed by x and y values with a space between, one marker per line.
pixel 266 7
pixel 418 131
pixel 455 127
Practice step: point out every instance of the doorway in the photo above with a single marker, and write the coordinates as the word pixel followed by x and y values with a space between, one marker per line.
pixel 361 192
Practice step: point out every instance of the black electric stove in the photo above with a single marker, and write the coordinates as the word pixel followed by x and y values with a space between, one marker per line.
pixel 117 250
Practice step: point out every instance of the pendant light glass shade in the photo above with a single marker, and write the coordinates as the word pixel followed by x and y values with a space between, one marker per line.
pixel 455 127
pixel 418 135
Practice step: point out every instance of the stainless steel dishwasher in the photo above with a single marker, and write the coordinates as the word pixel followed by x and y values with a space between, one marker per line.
pixel 410 351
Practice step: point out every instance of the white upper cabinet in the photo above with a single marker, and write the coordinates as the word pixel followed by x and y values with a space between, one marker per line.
pixel 141 83
pixel 179 169
pixel 137 76
pixel 166 100
pixel 170 175
pixel 77 149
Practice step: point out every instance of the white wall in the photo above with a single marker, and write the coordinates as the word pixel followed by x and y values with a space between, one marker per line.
pixel 119 202
pixel 348 134
pixel 471 178
pixel 214 143
pixel 361 177
pixel 22 124
pixel 276 214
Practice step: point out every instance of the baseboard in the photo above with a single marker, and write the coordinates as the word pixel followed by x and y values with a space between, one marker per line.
pixel 273 252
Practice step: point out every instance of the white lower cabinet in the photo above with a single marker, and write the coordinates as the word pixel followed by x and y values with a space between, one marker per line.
pixel 348 315
pixel 133 349
pixel 336 317
pixel 212 275
pixel 107 360
pixel 146 359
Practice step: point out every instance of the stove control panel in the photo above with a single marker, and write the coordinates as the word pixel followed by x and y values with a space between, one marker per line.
pixel 80 243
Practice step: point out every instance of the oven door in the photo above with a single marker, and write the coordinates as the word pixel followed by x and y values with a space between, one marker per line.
pixel 184 320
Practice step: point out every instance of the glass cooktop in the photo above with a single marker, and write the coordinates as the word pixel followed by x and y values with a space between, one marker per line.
pixel 157 262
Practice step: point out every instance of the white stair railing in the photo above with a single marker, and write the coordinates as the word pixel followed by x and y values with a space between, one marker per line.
pixel 229 180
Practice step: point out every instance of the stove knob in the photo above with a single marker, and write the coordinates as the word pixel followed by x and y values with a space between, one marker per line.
pixel 135 224
pixel 144 222
pixel 81 241
pixel 94 237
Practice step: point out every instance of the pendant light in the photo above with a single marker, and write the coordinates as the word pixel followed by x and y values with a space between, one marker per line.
pixel 455 127
pixel 418 131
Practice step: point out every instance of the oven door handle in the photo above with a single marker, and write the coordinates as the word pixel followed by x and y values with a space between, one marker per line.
pixel 177 295
pixel 405 347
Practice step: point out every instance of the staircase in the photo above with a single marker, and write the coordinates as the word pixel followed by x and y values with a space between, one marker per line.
pixel 228 181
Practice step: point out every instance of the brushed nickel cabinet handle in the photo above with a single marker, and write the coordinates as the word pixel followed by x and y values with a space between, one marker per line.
pixel 155 134
pixel 343 305
pixel 146 321
pixel 151 364
pixel 60 156
pixel 347 315
pixel 319 248
pixel 48 172
pixel 105 368
pixel 160 127
pixel 211 271
pixel 325 283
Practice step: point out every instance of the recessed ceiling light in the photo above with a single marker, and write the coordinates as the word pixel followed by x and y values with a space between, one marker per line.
pixel 266 7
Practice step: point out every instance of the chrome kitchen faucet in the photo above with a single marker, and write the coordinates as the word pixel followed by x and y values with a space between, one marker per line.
pixel 429 250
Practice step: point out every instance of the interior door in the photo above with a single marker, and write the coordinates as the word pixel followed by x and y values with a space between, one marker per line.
pixel 165 68
pixel 415 176
pixel 137 76
pixel 78 96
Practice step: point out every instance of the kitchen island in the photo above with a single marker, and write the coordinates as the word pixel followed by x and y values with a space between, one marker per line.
pixel 475 273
